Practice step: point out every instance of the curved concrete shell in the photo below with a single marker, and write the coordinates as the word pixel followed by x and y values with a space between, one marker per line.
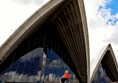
pixel 107 57
pixel 68 17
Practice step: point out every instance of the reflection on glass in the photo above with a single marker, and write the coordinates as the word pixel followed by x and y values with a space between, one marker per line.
pixel 26 69
pixel 37 66
pixel 100 76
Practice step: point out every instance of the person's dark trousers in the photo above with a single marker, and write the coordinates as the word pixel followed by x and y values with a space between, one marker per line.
pixel 63 80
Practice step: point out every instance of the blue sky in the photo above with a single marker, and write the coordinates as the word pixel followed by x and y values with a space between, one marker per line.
pixel 113 5
pixel 102 21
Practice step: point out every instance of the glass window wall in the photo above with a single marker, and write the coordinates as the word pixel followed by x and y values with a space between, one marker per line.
pixel 100 76
pixel 37 66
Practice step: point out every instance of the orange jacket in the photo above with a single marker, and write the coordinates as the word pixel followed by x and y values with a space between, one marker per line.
pixel 67 75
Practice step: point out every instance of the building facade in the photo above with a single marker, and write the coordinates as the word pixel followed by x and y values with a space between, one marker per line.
pixel 104 68
pixel 52 40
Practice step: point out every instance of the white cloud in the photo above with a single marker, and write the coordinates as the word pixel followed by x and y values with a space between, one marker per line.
pixel 13 14
pixel 13 76
pixel 35 2
pixel 99 26
pixel 106 13
pixel 31 55
pixel 113 38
